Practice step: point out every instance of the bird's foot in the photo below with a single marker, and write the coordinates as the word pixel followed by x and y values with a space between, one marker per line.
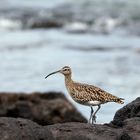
pixel 93 119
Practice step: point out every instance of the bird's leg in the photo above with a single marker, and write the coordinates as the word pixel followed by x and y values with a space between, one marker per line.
pixel 94 115
pixel 91 114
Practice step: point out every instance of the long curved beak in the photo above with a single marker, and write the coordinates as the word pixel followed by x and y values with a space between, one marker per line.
pixel 52 73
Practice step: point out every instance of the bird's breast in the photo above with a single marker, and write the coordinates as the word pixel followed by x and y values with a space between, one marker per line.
pixel 71 91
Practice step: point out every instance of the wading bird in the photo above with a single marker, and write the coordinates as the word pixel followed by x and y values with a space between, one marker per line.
pixel 86 94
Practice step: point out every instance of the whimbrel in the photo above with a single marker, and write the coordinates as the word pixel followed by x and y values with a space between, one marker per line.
pixel 86 94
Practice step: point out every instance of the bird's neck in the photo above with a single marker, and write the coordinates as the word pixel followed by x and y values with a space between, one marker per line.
pixel 68 80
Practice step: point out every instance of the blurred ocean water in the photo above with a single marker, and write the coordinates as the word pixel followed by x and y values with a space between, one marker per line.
pixel 98 39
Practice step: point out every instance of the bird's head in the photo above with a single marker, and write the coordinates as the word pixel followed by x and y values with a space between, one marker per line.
pixel 65 71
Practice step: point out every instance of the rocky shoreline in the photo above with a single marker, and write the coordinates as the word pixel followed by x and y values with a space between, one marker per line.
pixel 49 116
pixel 83 17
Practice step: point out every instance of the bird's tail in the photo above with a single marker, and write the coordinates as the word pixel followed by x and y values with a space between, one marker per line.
pixel 119 100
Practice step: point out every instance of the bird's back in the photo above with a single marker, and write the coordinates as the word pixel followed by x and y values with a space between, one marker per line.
pixel 89 94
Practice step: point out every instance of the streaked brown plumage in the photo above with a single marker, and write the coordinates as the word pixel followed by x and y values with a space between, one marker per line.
pixel 86 94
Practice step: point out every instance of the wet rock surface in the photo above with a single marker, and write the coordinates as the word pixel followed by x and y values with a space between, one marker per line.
pixel 125 125
pixel 45 108
pixel 22 129
pixel 84 131
pixel 131 110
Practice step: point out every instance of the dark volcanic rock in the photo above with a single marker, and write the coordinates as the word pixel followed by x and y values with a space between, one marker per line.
pixel 83 131
pixel 22 129
pixel 132 128
pixel 129 111
pixel 125 126
pixel 45 23
pixel 45 108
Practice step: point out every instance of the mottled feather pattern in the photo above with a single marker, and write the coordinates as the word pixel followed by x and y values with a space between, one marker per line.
pixel 84 93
